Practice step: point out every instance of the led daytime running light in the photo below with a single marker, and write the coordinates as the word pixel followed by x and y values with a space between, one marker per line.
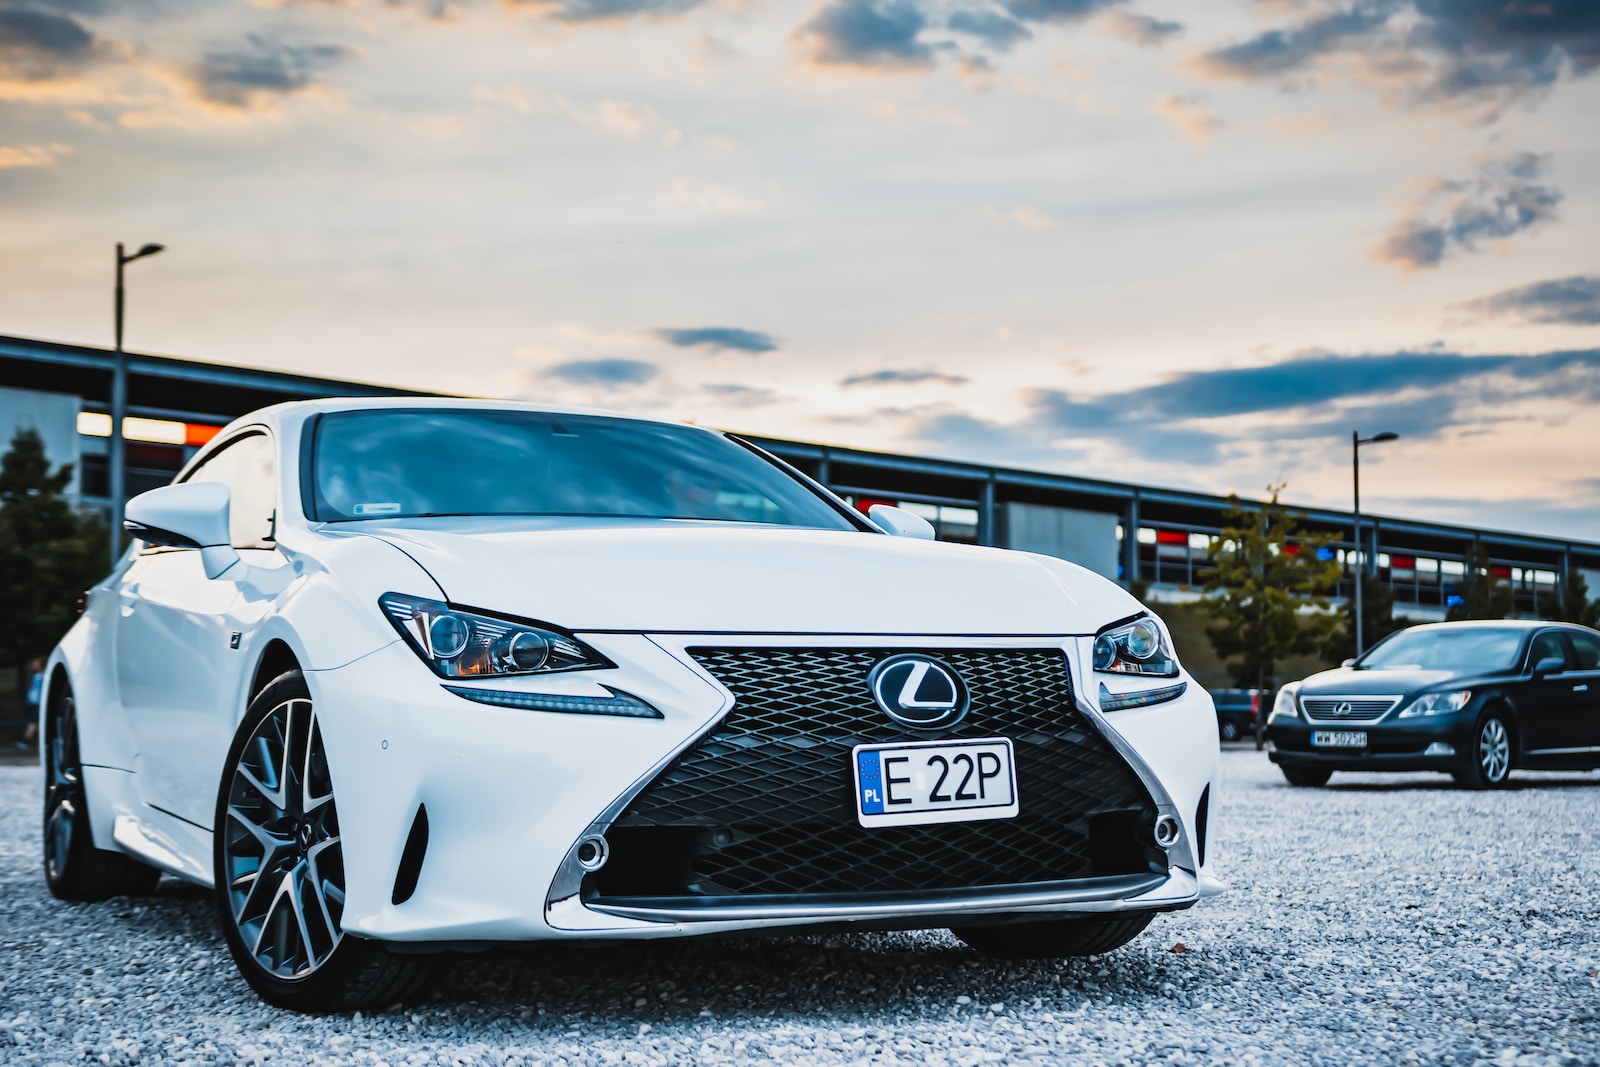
pixel 1110 701
pixel 618 703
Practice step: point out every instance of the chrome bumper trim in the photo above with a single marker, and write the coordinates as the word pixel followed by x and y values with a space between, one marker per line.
pixel 1122 893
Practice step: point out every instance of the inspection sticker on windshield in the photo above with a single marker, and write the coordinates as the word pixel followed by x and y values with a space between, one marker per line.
pixel 366 511
pixel 912 782
pixel 1339 739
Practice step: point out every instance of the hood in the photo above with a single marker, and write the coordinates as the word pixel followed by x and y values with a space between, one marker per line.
pixel 1346 682
pixel 727 578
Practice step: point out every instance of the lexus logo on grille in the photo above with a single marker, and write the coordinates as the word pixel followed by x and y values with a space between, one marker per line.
pixel 1343 708
pixel 918 691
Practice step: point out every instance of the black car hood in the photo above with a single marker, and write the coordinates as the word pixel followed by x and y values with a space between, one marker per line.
pixel 1349 683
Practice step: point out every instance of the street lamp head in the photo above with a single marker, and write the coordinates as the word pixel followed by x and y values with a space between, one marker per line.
pixel 1387 435
pixel 149 250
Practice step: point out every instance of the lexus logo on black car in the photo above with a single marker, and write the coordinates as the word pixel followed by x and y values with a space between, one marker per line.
pixel 919 691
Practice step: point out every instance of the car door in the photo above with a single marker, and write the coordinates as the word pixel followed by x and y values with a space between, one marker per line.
pixel 1585 681
pixel 1545 704
pixel 178 661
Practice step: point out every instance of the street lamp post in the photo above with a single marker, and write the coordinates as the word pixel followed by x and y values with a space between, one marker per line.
pixel 119 407
pixel 1356 441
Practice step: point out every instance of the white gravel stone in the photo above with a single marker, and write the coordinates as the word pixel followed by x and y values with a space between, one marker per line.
pixel 1383 920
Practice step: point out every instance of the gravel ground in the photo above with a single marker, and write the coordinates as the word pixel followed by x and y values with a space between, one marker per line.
pixel 1386 919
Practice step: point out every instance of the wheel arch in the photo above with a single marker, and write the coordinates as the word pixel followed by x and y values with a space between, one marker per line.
pixel 276 658
pixel 1501 707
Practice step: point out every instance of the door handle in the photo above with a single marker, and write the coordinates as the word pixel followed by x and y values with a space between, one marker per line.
pixel 1584 688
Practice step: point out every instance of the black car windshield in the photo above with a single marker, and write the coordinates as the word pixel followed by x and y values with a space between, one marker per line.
pixel 387 463
pixel 1429 649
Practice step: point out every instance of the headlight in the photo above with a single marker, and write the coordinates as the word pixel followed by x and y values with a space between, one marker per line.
pixel 1437 703
pixel 1138 647
pixel 1283 705
pixel 464 644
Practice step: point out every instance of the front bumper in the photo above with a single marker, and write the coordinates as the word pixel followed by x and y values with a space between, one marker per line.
pixel 1393 744
pixel 510 792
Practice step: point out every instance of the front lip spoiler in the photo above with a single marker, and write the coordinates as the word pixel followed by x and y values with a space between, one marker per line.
pixel 1175 889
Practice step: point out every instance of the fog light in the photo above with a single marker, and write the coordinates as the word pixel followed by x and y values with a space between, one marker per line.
pixel 1439 748
pixel 593 853
pixel 1167 831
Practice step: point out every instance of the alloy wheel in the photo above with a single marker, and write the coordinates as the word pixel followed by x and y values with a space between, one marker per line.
pixel 1494 750
pixel 63 797
pixel 281 851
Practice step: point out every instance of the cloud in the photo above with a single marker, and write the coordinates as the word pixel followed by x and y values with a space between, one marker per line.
pixel 708 199
pixel 1195 418
pixel 994 29
pixel 1141 30
pixel 32 155
pixel 901 377
pixel 719 339
pixel 1056 10
pixel 37 43
pixel 1483 53
pixel 603 372
pixel 742 396
pixel 1187 117
pixel 263 69
pixel 1501 199
pixel 606 10
pixel 1573 301
pixel 883 34
pixel 1026 217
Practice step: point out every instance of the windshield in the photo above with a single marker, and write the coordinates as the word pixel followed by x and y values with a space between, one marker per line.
pixel 1445 650
pixel 410 463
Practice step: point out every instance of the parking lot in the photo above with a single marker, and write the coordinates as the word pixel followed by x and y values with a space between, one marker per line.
pixel 1392 920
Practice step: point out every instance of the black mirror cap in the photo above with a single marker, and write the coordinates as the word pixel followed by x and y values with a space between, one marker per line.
pixel 1549 665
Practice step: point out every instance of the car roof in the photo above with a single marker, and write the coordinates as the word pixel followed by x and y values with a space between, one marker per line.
pixel 1494 624
pixel 434 403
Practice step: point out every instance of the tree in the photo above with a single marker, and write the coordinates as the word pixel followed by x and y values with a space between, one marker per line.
pixel 49 551
pixel 1378 621
pixel 1267 592
pixel 1478 593
pixel 1570 601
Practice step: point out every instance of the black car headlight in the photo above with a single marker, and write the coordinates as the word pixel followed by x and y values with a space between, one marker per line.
pixel 1137 647
pixel 470 644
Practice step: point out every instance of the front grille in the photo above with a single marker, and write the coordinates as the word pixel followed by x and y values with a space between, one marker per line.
pixel 764 803
pixel 1347 709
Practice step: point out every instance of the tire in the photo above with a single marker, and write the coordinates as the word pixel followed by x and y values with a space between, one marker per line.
pixel 73 868
pixel 1229 730
pixel 1053 940
pixel 280 871
pixel 1492 754
pixel 1309 776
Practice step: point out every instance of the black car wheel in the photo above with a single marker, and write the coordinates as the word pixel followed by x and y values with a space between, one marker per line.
pixel 73 868
pixel 280 868
pixel 1053 940
pixel 1312 776
pixel 1230 730
pixel 1491 755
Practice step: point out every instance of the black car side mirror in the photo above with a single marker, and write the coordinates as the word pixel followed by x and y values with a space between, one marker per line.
pixel 1548 665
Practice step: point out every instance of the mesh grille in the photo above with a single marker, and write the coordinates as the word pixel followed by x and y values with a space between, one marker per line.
pixel 764 803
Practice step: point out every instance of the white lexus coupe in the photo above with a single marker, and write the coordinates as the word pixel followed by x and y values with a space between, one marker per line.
pixel 397 677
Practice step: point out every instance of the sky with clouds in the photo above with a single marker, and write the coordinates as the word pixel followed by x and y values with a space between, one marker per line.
pixel 1191 243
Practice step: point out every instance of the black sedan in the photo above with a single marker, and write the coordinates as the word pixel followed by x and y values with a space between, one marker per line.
pixel 1476 699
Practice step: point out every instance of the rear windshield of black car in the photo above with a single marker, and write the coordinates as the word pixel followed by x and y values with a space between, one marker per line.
pixel 395 464
pixel 1473 649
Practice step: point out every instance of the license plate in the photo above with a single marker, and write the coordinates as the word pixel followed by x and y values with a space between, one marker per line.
pixel 1339 739
pixel 913 782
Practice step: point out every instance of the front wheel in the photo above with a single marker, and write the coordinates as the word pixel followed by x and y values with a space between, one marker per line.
pixel 1491 755
pixel 1230 730
pixel 73 868
pixel 280 868
pixel 1312 776
pixel 1053 940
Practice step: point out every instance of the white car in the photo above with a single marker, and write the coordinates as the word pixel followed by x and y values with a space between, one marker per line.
pixel 399 676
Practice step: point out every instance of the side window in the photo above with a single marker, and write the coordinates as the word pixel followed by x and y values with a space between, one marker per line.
pixel 1548 643
pixel 1588 648
pixel 247 468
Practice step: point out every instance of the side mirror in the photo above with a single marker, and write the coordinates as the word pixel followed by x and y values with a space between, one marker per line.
pixel 189 515
pixel 900 522
pixel 1549 665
